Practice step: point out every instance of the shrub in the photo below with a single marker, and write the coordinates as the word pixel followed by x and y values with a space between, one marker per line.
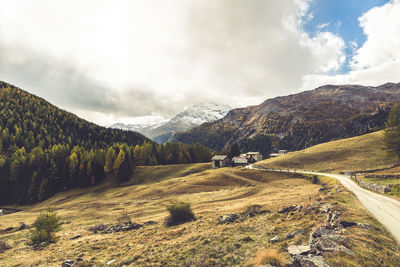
pixel 269 256
pixel 124 218
pixel 179 213
pixel 315 179
pixel 45 226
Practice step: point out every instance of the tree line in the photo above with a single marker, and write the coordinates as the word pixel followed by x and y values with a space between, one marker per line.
pixel 45 150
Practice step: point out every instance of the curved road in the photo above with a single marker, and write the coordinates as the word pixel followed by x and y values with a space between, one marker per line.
pixel 385 209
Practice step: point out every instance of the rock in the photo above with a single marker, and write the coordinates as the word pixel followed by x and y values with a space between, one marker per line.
pixel 347 224
pixel 150 223
pixel 67 263
pixel 228 218
pixel 307 261
pixel 104 229
pixel 79 259
pixel 274 239
pixel 291 235
pixel 299 250
pixel 291 208
pixel 247 239
pixel 110 262
pixel 253 211
pixel 76 237
pixel 368 226
pixel 326 208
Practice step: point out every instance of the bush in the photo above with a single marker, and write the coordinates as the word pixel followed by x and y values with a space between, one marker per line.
pixel 179 213
pixel 124 218
pixel 45 226
pixel 269 256
pixel 315 179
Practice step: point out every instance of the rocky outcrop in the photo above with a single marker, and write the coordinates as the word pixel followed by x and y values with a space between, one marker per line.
pixel 106 229
pixel 228 218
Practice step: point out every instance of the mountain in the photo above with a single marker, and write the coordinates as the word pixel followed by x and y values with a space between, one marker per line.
pixel 191 117
pixel 300 120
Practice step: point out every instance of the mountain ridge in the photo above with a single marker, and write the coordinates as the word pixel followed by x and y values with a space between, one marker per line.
pixel 299 120
pixel 191 117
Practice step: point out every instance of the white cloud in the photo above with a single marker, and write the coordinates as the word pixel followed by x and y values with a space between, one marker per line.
pixel 377 61
pixel 110 60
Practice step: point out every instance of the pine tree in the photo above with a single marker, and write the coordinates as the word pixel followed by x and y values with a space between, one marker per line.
pixel 392 132
pixel 110 159
pixel 122 170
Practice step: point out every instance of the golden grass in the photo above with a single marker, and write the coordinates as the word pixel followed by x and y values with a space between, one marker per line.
pixel 200 243
pixel 269 256
pixel 357 153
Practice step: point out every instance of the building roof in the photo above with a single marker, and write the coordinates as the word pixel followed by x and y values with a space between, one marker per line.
pixel 253 153
pixel 240 160
pixel 219 157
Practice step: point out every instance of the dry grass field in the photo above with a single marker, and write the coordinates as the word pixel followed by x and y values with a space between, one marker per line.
pixel 356 153
pixel 200 243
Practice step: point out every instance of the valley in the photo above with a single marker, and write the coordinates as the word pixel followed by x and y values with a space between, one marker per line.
pixel 212 193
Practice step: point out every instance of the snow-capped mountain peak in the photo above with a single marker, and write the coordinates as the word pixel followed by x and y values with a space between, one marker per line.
pixel 191 117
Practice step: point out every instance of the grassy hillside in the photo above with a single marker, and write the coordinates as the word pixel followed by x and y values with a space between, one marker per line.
pixel 200 243
pixel 357 153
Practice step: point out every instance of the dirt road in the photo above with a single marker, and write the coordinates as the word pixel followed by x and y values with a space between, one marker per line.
pixel 385 209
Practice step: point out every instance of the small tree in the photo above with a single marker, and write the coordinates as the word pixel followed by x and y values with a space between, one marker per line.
pixel 179 213
pixel 45 226
pixel 392 132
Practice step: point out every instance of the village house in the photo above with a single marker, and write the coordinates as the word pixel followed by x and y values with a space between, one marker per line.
pixel 240 161
pixel 253 156
pixel 280 153
pixel 1 212
pixel 219 161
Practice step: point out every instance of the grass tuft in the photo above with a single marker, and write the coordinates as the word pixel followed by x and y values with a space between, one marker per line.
pixel 269 256
pixel 179 213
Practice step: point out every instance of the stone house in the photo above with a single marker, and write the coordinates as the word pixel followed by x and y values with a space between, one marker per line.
pixel 220 161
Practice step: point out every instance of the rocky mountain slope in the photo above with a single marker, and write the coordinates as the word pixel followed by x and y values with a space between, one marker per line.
pixel 191 117
pixel 300 120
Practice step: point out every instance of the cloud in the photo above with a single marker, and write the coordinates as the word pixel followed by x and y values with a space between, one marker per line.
pixel 116 60
pixel 377 61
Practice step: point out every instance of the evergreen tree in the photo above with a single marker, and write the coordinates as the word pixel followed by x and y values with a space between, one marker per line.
pixel 392 132
pixel 122 170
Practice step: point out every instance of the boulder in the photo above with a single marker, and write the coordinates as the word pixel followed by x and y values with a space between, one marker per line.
pixel 228 218
pixel 291 208
pixel 274 239
pixel 253 211
pixel 299 250
pixel 347 224
pixel 326 208
pixel 307 261
pixel 67 263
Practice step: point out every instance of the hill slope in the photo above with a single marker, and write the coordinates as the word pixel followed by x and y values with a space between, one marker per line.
pixel 300 120
pixel 30 121
pixel 204 242
pixel 356 153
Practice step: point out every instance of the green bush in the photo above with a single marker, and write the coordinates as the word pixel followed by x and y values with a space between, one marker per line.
pixel 179 213
pixel 44 227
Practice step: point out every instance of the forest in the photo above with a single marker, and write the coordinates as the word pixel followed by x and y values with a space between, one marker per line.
pixel 45 150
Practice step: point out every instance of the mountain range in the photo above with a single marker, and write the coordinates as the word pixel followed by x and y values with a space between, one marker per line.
pixel 189 118
pixel 300 120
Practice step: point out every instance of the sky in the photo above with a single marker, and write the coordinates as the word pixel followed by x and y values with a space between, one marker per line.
pixel 143 61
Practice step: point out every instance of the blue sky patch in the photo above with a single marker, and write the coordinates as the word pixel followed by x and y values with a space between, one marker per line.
pixel 341 17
